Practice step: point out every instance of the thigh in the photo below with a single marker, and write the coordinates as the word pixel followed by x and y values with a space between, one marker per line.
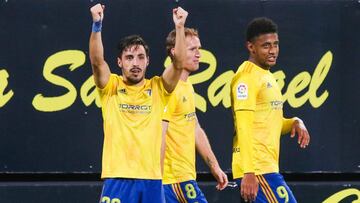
pixel 188 191
pixel 132 191
pixel 119 190
pixel 273 188
pixel 171 194
pixel 152 191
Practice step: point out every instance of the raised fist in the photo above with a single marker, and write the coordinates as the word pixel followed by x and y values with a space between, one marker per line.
pixel 179 16
pixel 97 12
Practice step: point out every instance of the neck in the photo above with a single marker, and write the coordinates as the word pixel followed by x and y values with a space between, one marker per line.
pixel 184 75
pixel 129 83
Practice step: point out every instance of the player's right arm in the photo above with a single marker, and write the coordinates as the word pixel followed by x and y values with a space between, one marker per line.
pixel 100 68
pixel 244 92
pixel 244 124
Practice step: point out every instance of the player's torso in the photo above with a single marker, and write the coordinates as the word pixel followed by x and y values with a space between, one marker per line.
pixel 267 106
pixel 269 102
pixel 180 140
pixel 132 125
pixel 139 107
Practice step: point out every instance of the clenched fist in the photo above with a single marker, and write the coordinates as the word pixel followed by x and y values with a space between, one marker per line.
pixel 179 16
pixel 97 12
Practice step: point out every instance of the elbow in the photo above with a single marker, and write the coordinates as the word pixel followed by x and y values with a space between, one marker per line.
pixel 179 58
pixel 96 62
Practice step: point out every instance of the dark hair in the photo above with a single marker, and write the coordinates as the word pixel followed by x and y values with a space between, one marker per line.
pixel 259 26
pixel 170 39
pixel 129 41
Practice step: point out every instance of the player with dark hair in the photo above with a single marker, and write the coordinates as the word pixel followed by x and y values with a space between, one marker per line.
pixel 257 107
pixel 132 109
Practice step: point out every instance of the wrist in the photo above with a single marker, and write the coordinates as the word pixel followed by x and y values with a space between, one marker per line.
pixel 179 26
pixel 96 26
pixel 297 120
pixel 249 174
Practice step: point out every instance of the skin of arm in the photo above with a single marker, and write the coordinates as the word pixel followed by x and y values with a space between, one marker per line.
pixel 204 149
pixel 296 126
pixel 100 68
pixel 171 75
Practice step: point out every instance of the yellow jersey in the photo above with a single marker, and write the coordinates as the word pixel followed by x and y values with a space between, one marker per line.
pixel 255 90
pixel 132 128
pixel 179 163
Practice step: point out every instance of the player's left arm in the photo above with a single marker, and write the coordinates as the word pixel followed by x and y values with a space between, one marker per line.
pixel 204 149
pixel 296 126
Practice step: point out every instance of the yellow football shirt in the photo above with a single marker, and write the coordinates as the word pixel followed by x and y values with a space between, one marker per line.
pixel 179 163
pixel 255 90
pixel 132 128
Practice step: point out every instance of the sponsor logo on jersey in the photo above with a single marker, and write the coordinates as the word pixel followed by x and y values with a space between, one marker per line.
pixel 190 116
pixel 135 109
pixel 236 150
pixel 276 104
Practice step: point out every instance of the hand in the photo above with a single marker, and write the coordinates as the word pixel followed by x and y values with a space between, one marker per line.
pixel 220 177
pixel 179 16
pixel 249 187
pixel 97 12
pixel 303 135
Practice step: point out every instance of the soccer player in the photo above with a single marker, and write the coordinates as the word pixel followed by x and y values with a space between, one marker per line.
pixel 258 117
pixel 183 132
pixel 132 109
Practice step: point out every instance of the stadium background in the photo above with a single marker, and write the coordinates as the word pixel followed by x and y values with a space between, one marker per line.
pixel 51 128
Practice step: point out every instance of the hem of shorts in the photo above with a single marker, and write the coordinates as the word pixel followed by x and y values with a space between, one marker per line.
pixel 178 180
pixel 105 176
pixel 256 173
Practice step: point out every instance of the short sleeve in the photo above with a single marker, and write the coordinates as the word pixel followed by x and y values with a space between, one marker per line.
pixel 244 91
pixel 109 88
pixel 164 95
pixel 170 107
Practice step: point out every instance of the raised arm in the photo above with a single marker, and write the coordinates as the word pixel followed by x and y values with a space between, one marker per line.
pixel 171 75
pixel 100 68
pixel 204 149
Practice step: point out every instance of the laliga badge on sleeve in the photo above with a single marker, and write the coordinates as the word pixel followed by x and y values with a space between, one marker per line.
pixel 242 91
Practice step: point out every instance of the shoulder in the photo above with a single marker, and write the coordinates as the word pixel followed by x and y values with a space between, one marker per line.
pixel 155 83
pixel 246 73
pixel 114 81
pixel 154 79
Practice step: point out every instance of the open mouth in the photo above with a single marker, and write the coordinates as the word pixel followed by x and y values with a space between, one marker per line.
pixel 135 70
